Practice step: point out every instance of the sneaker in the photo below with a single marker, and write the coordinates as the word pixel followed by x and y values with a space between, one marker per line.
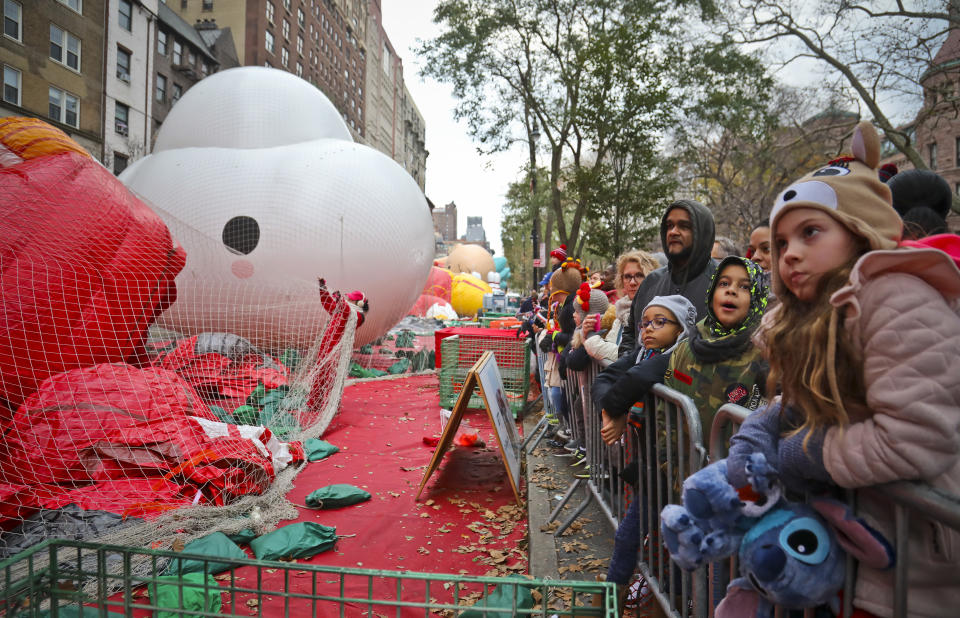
pixel 552 419
pixel 579 458
pixel 572 446
pixel 556 443
pixel 563 433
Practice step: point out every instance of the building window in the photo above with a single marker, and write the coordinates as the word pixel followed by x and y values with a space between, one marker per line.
pixel 284 56
pixel 177 93
pixel 191 58
pixel 299 70
pixel 11 85
pixel 286 30
pixel 161 88
pixel 183 4
pixel 161 42
pixel 300 17
pixel 269 42
pixel 64 47
pixel 13 20
pixel 207 5
pixel 270 12
pixel 64 107
pixel 125 15
pixel 932 152
pixel 121 119
pixel 120 162
pixel 299 44
pixel 123 65
pixel 177 52
pixel 73 4
pixel 286 4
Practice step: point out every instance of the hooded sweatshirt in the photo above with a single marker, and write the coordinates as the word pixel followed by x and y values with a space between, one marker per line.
pixel 719 365
pixel 690 279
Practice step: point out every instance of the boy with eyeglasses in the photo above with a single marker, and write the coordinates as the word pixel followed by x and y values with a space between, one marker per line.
pixel 665 322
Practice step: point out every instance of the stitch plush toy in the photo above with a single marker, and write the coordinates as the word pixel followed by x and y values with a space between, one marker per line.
pixel 791 554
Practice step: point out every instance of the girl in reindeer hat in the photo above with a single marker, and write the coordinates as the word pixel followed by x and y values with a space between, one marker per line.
pixel 864 346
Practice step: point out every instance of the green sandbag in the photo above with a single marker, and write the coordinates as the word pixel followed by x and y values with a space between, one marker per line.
pixel 214 545
pixel 399 367
pixel 336 496
pixel 166 593
pixel 358 371
pixel 316 449
pixel 300 540
pixel 502 598
pixel 243 537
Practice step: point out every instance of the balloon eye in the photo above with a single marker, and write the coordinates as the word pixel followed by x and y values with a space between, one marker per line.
pixel 241 234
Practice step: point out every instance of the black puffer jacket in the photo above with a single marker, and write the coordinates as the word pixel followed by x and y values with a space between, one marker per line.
pixel 690 280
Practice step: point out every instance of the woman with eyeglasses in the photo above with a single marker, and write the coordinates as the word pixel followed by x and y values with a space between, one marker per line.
pixel 632 268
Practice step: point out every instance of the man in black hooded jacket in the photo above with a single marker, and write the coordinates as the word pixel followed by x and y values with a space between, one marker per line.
pixel 686 233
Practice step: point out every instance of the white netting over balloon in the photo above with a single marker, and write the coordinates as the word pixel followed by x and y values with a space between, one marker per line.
pixel 168 342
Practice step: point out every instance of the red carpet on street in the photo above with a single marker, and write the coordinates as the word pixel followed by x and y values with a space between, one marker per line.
pixel 466 522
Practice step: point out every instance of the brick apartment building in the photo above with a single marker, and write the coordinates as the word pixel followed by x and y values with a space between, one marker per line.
pixel 185 54
pixel 322 41
pixel 52 57
pixel 393 123
pixel 936 129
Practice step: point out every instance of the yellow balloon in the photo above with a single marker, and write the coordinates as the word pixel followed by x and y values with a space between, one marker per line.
pixel 467 294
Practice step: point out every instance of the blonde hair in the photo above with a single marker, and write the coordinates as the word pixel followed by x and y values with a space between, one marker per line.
pixel 811 359
pixel 646 262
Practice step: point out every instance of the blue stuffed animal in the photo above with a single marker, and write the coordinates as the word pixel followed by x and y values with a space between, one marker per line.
pixel 790 554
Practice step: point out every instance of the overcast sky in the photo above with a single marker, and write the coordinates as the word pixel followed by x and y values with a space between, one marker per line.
pixel 455 172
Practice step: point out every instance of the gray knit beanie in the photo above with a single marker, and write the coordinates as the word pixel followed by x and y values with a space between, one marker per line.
pixel 681 308
pixel 590 301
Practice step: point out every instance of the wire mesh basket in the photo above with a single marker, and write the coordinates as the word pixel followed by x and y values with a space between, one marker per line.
pixel 460 352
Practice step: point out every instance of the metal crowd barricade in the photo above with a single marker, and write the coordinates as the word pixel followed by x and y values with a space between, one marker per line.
pixel 540 431
pixel 908 498
pixel 672 440
pixel 667 443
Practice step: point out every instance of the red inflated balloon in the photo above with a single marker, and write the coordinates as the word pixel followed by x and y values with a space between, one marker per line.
pixel 85 267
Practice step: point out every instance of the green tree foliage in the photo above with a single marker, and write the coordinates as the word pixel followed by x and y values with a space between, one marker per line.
pixel 604 80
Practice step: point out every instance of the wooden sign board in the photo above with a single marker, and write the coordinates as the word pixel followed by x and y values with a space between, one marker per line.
pixel 485 375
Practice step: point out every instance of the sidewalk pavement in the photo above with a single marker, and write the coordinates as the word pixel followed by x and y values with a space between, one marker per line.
pixel 583 551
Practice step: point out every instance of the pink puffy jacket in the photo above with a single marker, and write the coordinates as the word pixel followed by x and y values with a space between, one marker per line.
pixel 901 309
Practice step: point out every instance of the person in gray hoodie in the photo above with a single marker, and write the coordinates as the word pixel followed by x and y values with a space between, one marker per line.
pixel 687 234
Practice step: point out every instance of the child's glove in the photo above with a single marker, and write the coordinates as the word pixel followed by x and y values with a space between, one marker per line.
pixel 803 470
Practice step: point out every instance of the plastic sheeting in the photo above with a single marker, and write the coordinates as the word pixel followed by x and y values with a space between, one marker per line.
pixel 69 522
pixel 114 425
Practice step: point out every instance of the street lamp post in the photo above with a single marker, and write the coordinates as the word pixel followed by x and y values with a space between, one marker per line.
pixel 535 233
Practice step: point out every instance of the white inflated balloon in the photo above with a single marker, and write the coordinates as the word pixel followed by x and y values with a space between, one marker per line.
pixel 250 107
pixel 260 225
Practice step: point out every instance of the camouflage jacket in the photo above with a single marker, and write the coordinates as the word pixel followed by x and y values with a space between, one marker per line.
pixel 710 385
